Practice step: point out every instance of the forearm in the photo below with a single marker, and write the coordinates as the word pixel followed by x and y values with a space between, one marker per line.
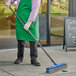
pixel 12 1
pixel 8 2
pixel 29 22
pixel 34 10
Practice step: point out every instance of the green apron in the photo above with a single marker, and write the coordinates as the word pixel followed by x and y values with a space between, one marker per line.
pixel 23 12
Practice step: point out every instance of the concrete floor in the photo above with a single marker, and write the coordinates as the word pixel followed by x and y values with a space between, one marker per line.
pixel 8 68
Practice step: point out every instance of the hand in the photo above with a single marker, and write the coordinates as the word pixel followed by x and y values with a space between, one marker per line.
pixel 8 3
pixel 27 25
pixel 8 6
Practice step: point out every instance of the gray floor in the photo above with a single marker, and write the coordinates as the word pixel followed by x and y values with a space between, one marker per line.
pixel 7 57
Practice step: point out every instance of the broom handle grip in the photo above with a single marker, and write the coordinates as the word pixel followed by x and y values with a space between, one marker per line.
pixel 34 37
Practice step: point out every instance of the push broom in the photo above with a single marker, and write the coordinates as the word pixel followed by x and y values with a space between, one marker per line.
pixel 51 69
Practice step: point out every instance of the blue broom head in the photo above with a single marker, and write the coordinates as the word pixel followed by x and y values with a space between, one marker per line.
pixel 56 67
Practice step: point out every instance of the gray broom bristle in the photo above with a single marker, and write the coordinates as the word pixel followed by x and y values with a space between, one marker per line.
pixel 56 69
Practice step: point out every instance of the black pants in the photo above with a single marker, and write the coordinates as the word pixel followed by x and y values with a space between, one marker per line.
pixel 33 50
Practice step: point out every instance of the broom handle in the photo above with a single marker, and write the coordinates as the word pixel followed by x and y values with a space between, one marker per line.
pixel 34 37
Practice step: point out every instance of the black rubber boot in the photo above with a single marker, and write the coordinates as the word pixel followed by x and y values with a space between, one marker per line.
pixel 34 53
pixel 18 61
pixel 20 52
pixel 36 63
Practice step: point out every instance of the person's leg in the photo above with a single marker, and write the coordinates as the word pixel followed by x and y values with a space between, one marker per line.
pixel 21 44
pixel 34 53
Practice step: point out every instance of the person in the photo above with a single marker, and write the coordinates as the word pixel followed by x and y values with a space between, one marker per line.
pixel 27 11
